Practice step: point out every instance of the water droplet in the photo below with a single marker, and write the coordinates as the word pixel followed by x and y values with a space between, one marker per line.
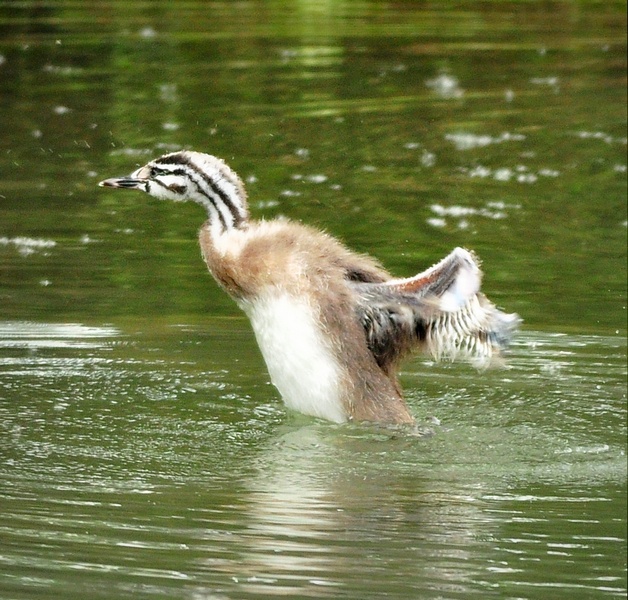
pixel 147 32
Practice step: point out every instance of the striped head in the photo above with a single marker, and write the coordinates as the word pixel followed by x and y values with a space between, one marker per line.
pixel 187 175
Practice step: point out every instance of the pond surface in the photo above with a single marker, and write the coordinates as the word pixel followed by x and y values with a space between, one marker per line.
pixel 143 452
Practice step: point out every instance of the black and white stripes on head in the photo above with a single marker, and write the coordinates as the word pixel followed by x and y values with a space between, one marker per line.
pixel 188 175
pixel 203 178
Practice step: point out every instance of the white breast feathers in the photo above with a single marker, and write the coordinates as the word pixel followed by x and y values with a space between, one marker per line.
pixel 301 364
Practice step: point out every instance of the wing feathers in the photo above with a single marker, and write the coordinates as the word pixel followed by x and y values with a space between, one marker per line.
pixel 440 311
pixel 477 332
pixel 454 279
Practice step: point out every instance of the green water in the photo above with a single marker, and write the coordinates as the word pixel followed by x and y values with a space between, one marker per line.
pixel 143 452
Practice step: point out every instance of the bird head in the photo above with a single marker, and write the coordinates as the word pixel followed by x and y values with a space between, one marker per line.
pixel 187 175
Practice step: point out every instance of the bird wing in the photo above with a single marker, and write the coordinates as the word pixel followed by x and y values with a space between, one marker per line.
pixel 440 311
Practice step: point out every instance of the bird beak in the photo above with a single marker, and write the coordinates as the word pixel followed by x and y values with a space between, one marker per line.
pixel 129 183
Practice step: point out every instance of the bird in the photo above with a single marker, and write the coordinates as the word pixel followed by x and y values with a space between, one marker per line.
pixel 332 325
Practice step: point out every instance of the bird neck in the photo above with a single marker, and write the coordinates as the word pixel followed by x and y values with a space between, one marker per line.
pixel 213 185
pixel 224 217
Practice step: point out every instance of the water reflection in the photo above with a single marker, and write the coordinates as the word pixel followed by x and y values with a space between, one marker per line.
pixel 325 509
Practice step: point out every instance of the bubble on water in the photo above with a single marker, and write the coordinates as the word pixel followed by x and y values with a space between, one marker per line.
pixel 596 135
pixel 446 86
pixel 504 174
pixel 549 172
pixel 147 33
pixel 491 210
pixel 428 159
pixel 527 178
pixel 27 246
pixel 168 92
pixel 317 178
pixel 436 222
pixel 267 203
pixel 468 141
pixel 480 171
pixel 454 211
pixel 519 173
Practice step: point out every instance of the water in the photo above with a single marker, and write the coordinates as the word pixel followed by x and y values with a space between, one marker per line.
pixel 143 452
pixel 141 466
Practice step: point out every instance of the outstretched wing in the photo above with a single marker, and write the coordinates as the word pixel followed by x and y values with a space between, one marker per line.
pixel 440 311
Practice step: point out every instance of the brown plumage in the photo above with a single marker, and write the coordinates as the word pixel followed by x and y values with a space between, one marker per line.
pixel 332 325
